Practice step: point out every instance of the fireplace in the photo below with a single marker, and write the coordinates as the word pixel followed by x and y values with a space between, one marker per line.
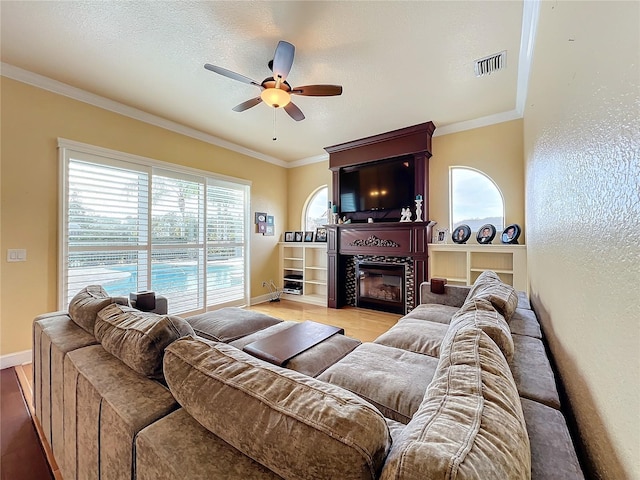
pixel 380 286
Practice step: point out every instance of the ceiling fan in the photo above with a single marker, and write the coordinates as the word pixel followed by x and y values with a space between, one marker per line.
pixel 276 91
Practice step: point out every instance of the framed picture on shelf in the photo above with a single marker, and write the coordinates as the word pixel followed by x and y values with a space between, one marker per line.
pixel 288 237
pixel 321 234
pixel 298 236
pixel 308 236
pixel 461 234
pixel 486 234
pixel 511 234
pixel 440 235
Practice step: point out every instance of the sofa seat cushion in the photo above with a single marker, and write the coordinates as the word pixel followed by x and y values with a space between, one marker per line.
pixel 488 286
pixel 392 379
pixel 177 447
pixel 433 312
pixel 553 455
pixel 230 323
pixel 106 405
pixel 470 424
pixel 139 338
pixel 481 314
pixel 525 322
pixel 86 304
pixel 413 335
pixel 523 301
pixel 313 361
pixel 295 425
pixel 532 371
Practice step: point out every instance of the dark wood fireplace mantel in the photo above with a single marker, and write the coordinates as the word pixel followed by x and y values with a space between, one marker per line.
pixel 401 239
pixel 384 238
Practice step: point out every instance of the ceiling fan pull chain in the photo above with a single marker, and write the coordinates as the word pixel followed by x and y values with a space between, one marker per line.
pixel 274 124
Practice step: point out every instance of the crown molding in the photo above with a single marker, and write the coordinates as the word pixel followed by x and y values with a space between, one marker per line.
pixel 54 86
pixel 309 160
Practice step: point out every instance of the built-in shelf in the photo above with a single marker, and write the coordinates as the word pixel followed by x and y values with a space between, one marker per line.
pixel 305 266
pixel 462 264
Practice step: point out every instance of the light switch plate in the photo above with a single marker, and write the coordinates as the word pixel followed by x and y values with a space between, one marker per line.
pixel 16 255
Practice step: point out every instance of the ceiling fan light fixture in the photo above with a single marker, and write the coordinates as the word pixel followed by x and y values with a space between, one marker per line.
pixel 275 97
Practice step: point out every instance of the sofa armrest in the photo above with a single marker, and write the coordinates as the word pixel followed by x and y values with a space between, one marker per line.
pixel 453 296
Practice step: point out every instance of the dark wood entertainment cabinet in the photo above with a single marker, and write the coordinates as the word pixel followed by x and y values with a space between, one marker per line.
pixel 387 236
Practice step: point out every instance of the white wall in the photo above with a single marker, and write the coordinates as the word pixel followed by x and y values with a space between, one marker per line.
pixel 582 167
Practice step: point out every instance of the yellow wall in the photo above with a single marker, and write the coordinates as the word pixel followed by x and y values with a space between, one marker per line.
pixel 582 144
pixel 32 120
pixel 495 150
pixel 303 181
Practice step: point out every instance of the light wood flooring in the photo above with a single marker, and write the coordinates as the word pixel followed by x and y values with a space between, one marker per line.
pixel 25 377
pixel 360 323
pixel 365 325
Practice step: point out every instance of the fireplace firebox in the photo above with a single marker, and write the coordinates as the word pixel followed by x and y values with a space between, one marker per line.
pixel 381 286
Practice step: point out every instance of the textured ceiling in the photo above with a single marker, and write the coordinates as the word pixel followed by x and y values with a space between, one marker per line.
pixel 400 63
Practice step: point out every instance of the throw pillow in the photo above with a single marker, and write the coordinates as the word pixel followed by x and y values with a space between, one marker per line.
pixel 138 338
pixel 480 313
pixel 86 304
pixel 503 297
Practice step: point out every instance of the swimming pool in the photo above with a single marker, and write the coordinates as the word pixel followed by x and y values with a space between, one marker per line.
pixel 180 282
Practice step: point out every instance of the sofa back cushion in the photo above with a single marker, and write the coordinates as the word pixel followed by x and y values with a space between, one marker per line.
pixel 86 304
pixel 138 338
pixel 480 313
pixel 489 287
pixel 295 425
pixel 470 424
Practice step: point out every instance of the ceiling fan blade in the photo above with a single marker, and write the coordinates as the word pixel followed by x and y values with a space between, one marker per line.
pixel 283 59
pixel 293 111
pixel 229 74
pixel 318 90
pixel 247 105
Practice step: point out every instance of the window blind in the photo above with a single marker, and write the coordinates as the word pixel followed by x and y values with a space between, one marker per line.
pixel 132 227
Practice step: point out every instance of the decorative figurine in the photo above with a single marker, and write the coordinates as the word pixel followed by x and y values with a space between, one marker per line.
pixel 406 215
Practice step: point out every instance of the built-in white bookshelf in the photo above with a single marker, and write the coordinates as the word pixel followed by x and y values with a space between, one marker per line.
pixel 304 269
pixel 461 264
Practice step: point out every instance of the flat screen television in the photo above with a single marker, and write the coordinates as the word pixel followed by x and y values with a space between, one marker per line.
pixel 384 185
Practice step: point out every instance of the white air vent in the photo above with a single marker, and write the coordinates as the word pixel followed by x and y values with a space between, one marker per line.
pixel 490 64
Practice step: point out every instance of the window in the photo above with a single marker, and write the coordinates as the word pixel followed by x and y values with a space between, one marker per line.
pixel 315 212
pixel 133 224
pixel 475 199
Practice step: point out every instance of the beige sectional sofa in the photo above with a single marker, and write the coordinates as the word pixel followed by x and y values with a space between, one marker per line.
pixel 459 388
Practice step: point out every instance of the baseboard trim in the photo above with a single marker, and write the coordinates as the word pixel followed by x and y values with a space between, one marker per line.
pixel 260 299
pixel 13 359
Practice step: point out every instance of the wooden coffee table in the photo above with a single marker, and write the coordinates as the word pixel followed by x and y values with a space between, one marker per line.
pixel 282 346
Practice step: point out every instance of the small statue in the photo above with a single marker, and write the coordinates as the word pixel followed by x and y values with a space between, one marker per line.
pixel 406 215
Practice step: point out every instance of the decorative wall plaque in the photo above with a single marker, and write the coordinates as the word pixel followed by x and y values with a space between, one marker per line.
pixel 373 241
